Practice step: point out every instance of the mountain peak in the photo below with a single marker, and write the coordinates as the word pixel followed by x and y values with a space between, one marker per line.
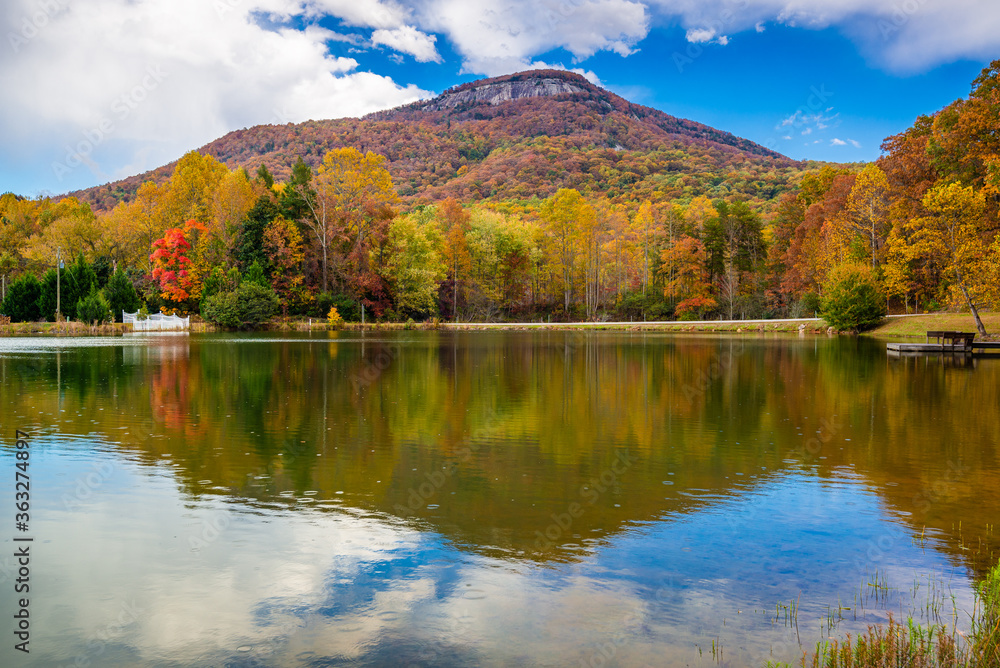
pixel 521 85
pixel 495 91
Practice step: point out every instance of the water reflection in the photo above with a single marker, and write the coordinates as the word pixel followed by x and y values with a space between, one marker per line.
pixel 501 498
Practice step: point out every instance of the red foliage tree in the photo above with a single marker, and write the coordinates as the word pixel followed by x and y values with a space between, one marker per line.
pixel 172 268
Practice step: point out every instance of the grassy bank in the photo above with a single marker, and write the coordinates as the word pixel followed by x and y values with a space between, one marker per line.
pixel 918 326
pixel 790 326
pixel 63 329
pixel 80 329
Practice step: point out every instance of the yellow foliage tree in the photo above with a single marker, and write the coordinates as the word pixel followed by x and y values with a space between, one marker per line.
pixel 566 214
pixel 953 235
pixel 191 191
pixel 864 219
pixel 282 244
pixel 352 203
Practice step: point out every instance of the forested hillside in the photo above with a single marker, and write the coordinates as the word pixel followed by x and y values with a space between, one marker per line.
pixel 546 130
pixel 527 196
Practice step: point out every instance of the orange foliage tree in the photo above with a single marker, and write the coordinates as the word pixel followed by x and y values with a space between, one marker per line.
pixel 173 270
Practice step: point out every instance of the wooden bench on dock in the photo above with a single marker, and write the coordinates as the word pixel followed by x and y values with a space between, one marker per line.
pixel 956 340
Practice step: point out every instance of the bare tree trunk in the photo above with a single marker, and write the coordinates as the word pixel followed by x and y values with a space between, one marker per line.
pixel 972 307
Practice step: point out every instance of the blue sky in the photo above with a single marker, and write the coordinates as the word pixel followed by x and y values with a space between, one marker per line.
pixel 97 90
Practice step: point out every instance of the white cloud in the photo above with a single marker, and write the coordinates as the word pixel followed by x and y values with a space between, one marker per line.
pixel 495 37
pixel 161 77
pixel 837 142
pixel 409 40
pixel 705 36
pixel 362 13
pixel 855 143
pixel 700 35
pixel 760 26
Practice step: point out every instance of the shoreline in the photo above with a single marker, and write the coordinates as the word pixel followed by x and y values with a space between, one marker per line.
pixel 905 326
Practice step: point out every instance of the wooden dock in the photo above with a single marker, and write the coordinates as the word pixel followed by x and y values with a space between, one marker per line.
pixel 978 349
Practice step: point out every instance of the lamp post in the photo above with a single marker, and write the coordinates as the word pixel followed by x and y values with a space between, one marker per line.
pixel 58 290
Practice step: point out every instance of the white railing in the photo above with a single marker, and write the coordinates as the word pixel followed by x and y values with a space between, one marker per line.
pixel 156 322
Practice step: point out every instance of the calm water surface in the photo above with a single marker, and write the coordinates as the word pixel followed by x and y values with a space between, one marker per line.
pixel 454 499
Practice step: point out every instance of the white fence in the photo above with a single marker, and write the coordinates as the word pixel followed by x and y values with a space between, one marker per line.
pixel 156 322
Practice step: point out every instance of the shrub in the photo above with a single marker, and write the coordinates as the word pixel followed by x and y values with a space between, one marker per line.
pixel 94 307
pixel 636 305
pixel 333 318
pixel 853 300
pixel 348 309
pixel 249 304
pixel 695 308
pixel 21 302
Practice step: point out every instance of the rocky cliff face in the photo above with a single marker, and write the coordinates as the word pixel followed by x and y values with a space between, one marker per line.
pixel 495 93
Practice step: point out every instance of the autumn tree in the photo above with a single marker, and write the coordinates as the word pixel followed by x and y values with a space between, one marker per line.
pixel 690 286
pixel 865 217
pixel 565 214
pixel 282 246
pixel 350 213
pixel 953 233
pixel 644 226
pixel 233 198
pixel 131 227
pixel 192 189
pixel 414 265
pixel 68 227
pixel 455 221
pixel 501 249
pixel 172 268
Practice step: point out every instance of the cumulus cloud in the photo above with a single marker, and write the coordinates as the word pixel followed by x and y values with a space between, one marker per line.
pixel 495 37
pixel 837 142
pixel 705 36
pixel 362 13
pixel 137 84
pixel 409 40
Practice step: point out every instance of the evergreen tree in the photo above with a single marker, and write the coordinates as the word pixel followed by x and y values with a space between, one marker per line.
pixel 21 302
pixel 249 246
pixel 76 282
pixel 47 298
pixel 94 307
pixel 121 295
pixel 264 175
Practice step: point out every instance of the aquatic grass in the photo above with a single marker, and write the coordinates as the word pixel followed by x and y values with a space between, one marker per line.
pixel 985 650
pixel 912 645
pixel 889 646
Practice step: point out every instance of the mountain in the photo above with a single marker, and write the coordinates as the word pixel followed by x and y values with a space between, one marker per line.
pixel 515 137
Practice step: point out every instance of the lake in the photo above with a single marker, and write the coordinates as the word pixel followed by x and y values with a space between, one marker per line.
pixel 431 498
